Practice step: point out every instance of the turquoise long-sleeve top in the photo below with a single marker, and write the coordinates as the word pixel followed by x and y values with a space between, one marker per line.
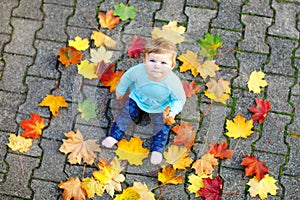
pixel 151 96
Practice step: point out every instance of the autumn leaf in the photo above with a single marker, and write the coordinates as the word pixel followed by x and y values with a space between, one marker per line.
pixel 105 71
pixel 185 134
pixel 218 90
pixel 205 164
pixel 102 39
pixel 260 110
pixel 239 127
pixel 136 47
pixel 178 157
pixel 108 20
pixel 262 187
pixel 114 81
pixel 124 11
pixel 128 193
pixel 79 148
pixel 190 61
pixel 168 176
pixel 208 68
pixel 54 103
pixel 212 188
pixel 143 191
pixel 33 127
pixel 100 54
pixel 87 69
pixel 69 55
pixel 196 183
pixel 87 109
pixel 209 45
pixel 256 81
pixel 172 26
pixel 79 43
pixel 190 88
pixel 167 119
pixel 19 143
pixel 92 187
pixel 169 32
pixel 72 189
pixel 254 167
pixel 220 151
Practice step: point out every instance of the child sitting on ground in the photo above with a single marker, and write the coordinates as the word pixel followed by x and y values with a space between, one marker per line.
pixel 153 86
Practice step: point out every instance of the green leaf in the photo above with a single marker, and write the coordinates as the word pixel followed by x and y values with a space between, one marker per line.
pixel 209 45
pixel 124 12
pixel 87 109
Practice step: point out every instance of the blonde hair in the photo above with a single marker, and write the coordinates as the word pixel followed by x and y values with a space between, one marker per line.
pixel 161 46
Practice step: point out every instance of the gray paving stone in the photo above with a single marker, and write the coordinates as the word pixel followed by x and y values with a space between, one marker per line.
pixel 54 22
pixel 91 132
pixel 15 184
pixel 44 190
pixel 254 37
pixel 61 2
pixel 228 15
pixel 191 111
pixel 7 197
pixel 151 182
pixel 79 171
pixel 10 101
pixel 173 192
pixel 291 168
pixel 29 9
pixel 294 127
pixel 3 40
pixel 258 7
pixel 6 9
pixel 295 90
pixel 52 164
pixel 73 31
pixel 285 20
pixel 292 185
pixel 3 150
pixel 204 3
pixel 7 120
pixel 171 11
pixel 109 4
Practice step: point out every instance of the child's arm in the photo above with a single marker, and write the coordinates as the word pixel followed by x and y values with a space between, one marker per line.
pixel 126 80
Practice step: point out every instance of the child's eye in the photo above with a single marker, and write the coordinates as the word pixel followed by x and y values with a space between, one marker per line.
pixel 152 60
pixel 164 63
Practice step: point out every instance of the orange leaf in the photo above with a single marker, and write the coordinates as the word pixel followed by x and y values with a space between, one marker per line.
pixel 254 166
pixel 33 127
pixel 167 119
pixel 54 103
pixel 190 61
pixel 190 88
pixel 69 55
pixel 104 71
pixel 168 176
pixel 220 151
pixel 108 20
pixel 205 164
pixel 72 189
pixel 113 81
pixel 185 134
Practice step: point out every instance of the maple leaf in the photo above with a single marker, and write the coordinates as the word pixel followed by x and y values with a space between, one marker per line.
pixel 168 176
pixel 92 187
pixel 189 62
pixel 167 119
pixel 72 189
pixel 143 191
pixel 212 188
pixel 100 54
pixel 220 151
pixel 256 81
pixel 262 187
pixel 79 148
pixel 209 45
pixel 79 43
pixel 185 134
pixel 196 183
pixel 239 127
pixel 69 55
pixel 108 20
pixel 19 143
pixel 254 167
pixel 136 47
pixel 124 11
pixel 109 175
pixel 113 81
pixel 33 127
pixel 190 88
pixel 208 68
pixel 87 109
pixel 218 91
pixel 129 193
pixel 172 25
pixel 178 157
pixel 86 69
pixel 54 103
pixel 132 151
pixel 205 164
pixel 105 71
pixel 260 110
pixel 169 32
pixel 102 39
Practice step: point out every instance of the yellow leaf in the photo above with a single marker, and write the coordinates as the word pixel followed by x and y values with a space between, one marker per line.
pixel 79 148
pixel 169 32
pixel 172 25
pixel 54 103
pixel 100 54
pixel 19 143
pixel 168 176
pixel 87 70
pixel 72 189
pixel 178 157
pixel 196 183
pixel 205 164
pixel 256 81
pixel 190 62
pixel 132 151
pixel 218 90
pixel 143 191
pixel 222 99
pixel 128 194
pixel 102 39
pixel 239 127
pixel 79 43
pixel 208 68
pixel 92 187
pixel 262 187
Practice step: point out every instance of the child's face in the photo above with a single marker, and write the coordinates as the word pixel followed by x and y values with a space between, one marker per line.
pixel 158 66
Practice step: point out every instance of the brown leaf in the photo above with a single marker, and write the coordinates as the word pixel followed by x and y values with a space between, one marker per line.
pixel 72 189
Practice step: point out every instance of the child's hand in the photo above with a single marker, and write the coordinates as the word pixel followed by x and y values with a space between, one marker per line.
pixel 171 115
pixel 119 96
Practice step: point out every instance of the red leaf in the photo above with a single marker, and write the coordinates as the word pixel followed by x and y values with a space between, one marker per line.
pixel 220 151
pixel 104 71
pixel 185 134
pixel 137 46
pixel 260 110
pixel 113 81
pixel 190 88
pixel 69 55
pixel 212 188
pixel 33 127
pixel 254 167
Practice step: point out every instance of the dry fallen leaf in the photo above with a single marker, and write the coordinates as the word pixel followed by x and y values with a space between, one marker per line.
pixel 143 191
pixel 113 81
pixel 33 127
pixel 101 54
pixel 72 189
pixel 92 187
pixel 256 81
pixel 262 187
pixel 254 167
pixel 205 164
pixel 239 127
pixel 167 119
pixel 178 157
pixel 79 43
pixel 169 32
pixel 196 183
pixel 220 151
pixel 69 55
pixel 185 134
pixel 127 194
pixel 102 39
pixel 108 20
pixel 190 61
pixel 168 176
pixel 54 103
pixel 87 69
pixel 19 143
pixel 208 68
pixel 218 90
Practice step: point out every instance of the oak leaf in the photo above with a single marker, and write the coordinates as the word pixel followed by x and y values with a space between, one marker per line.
pixel 205 164
pixel 185 134
pixel 208 68
pixel 54 103
pixel 178 157
pixel 33 127
pixel 220 151
pixel 79 148
pixel 260 110
pixel 143 191
pixel 262 187
pixel 132 151
pixel 209 45
pixel 218 90
pixel 212 188
pixel 105 71
pixel 124 11
pixel 168 119
pixel 168 176
pixel 19 143
pixel 128 194
pixel 100 54
pixel 190 61
pixel 114 81
pixel 136 47
pixel 196 183
pixel 108 20
pixel 92 187
pixel 254 167
pixel 79 43
pixel 102 39
pixel 69 55
pixel 169 32
pixel 87 69
pixel 72 189
pixel 256 81
pixel 239 127
pixel 190 88
pixel 87 109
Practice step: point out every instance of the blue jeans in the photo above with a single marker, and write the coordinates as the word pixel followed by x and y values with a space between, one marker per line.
pixel 130 112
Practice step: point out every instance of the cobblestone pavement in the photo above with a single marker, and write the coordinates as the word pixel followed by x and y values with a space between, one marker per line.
pixel 257 35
